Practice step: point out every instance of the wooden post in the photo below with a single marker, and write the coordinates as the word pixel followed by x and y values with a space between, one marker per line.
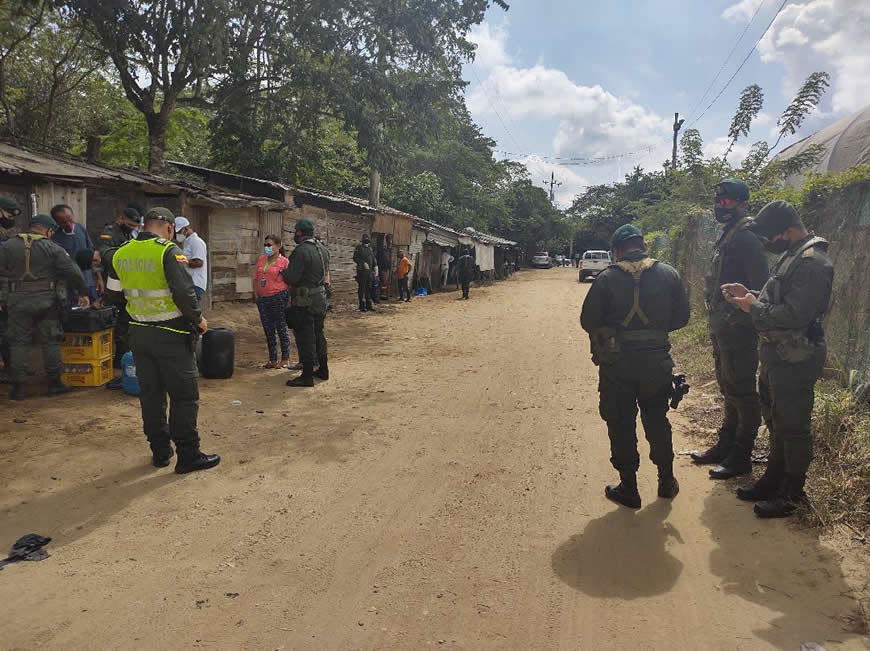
pixel 374 188
pixel 678 124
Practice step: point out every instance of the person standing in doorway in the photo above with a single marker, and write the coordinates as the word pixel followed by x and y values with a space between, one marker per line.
pixel 364 258
pixel 272 295
pixel 196 251
pixel 446 259
pixel 403 274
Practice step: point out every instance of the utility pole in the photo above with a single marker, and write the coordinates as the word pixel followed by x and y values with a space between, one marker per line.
pixel 553 183
pixel 678 124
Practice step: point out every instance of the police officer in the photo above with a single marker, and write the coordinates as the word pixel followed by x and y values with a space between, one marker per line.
pixel 307 275
pixel 149 277
pixel 465 269
pixel 364 258
pixel 738 258
pixel 30 264
pixel 119 231
pixel 788 315
pixel 629 311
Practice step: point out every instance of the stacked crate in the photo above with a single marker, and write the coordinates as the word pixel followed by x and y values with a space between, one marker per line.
pixel 87 358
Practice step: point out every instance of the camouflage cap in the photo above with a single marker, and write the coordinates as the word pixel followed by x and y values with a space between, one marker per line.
pixel 733 189
pixel 775 218
pixel 8 204
pixel 43 220
pixel 623 234
pixel 305 226
pixel 163 214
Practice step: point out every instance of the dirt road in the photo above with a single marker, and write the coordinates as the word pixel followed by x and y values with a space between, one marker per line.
pixel 444 490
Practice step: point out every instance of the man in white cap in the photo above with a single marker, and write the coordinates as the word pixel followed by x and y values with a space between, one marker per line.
pixel 197 255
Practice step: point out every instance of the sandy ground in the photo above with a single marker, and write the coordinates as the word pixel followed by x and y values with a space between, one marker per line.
pixel 444 490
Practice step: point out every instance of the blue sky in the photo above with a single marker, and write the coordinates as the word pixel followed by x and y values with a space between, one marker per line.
pixel 598 79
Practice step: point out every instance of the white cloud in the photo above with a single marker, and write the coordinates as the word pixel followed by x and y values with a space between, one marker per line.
pixel 718 146
pixel 592 121
pixel 829 35
pixel 741 11
pixel 490 42
pixel 572 182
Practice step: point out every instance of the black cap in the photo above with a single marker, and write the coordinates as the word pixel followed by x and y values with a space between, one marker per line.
pixel 775 218
pixel 733 189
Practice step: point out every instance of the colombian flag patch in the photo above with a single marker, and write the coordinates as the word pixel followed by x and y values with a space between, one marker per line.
pixel 105 236
pixel 181 258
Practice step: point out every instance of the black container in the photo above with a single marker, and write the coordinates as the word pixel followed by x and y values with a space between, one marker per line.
pixel 218 353
pixel 89 320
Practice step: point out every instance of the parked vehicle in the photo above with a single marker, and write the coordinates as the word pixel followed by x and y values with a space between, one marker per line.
pixel 541 260
pixel 559 260
pixel 593 263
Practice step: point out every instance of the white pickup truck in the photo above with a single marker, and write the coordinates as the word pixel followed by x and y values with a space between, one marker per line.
pixel 593 263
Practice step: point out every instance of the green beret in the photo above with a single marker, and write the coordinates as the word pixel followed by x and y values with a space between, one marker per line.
pixel 131 213
pixel 775 218
pixel 8 204
pixel 732 189
pixel 43 220
pixel 163 214
pixel 623 234
pixel 305 226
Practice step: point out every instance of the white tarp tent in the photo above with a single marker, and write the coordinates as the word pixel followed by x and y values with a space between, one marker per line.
pixel 484 256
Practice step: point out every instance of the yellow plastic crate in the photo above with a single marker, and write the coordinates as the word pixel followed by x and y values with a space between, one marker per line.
pixel 86 346
pixel 92 373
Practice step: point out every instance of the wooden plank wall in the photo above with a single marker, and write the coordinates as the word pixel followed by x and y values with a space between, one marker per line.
pixel 50 194
pixel 235 245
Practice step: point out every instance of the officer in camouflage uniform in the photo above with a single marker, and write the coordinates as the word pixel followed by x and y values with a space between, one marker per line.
pixel 30 265
pixel 148 276
pixel 788 315
pixel 465 271
pixel 629 311
pixel 307 276
pixel 364 258
pixel 9 210
pixel 739 258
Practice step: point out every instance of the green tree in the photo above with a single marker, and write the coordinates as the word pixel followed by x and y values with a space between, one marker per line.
pixel 751 102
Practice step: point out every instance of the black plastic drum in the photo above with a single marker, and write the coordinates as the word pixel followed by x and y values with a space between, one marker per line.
pixel 218 353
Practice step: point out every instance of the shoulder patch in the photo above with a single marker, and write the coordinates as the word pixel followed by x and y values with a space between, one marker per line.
pixel 105 236
pixel 809 253
pixel 181 258
pixel 162 240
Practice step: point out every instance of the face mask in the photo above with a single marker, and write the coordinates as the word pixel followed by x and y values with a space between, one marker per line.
pixel 723 214
pixel 298 237
pixel 779 247
pixel 268 250
pixel 180 237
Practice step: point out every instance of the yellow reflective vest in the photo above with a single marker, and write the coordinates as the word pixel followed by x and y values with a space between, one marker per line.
pixel 139 266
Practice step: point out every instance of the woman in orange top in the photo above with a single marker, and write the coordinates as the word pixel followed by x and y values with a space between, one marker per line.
pixel 272 294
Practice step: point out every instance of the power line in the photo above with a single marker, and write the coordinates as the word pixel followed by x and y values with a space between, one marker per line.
pixel 727 59
pixel 492 106
pixel 727 83
pixel 577 160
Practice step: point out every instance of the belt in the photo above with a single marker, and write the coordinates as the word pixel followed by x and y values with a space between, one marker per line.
pixel 32 286
pixel 650 336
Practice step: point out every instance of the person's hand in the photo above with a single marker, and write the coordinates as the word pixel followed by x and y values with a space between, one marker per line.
pixel 202 326
pixel 97 304
pixel 84 302
pixel 734 289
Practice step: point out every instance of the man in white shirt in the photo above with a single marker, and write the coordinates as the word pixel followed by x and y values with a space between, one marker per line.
pixel 197 255
pixel 446 259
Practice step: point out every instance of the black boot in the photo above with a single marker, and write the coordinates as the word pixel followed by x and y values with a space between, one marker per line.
pixel 668 484
pixel 193 462
pixel 738 462
pixel 625 492
pixel 718 452
pixel 18 392
pixel 322 371
pixel 786 501
pixel 307 377
pixel 765 488
pixel 370 307
pixel 362 307
pixel 161 458
pixel 57 388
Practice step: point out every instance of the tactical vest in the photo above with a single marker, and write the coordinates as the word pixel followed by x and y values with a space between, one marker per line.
pixel 27 282
pixel 714 280
pixel 792 345
pixel 139 266
pixel 313 298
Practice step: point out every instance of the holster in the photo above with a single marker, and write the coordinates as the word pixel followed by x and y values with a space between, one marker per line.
pixel 604 346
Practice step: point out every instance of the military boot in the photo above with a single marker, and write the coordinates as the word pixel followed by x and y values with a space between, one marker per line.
pixel 625 492
pixel 362 307
pixel 194 462
pixel 785 501
pixel 161 458
pixel 765 488
pixel 307 377
pixel 718 452
pixel 322 371
pixel 738 462
pixel 668 484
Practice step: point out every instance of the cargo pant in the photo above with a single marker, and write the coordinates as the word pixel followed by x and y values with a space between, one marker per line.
pixel 787 393
pixel 735 354
pixel 310 338
pixel 28 313
pixel 644 382
pixel 166 365
pixel 465 280
pixel 363 288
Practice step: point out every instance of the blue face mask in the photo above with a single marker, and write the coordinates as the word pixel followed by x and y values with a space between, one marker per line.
pixel 268 250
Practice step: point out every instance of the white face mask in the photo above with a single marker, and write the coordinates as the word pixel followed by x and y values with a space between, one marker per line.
pixel 180 237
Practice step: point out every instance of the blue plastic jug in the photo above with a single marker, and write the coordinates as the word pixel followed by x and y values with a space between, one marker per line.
pixel 129 381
